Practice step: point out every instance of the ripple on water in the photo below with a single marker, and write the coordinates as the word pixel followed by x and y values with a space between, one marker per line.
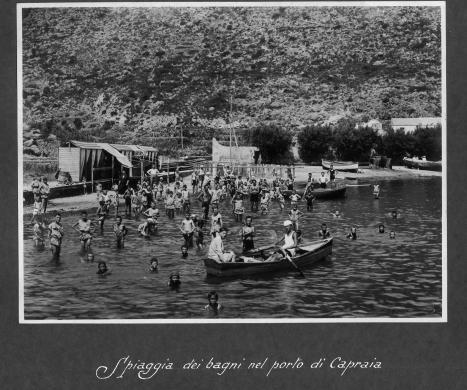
pixel 370 277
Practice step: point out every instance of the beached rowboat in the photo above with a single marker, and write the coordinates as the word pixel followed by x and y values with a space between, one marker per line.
pixel 348 166
pixel 422 164
pixel 305 256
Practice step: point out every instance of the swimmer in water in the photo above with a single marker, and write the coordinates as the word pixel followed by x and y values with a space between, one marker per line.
pixel 353 233
pixel 213 306
pixel 248 233
pixel 85 226
pixel 324 233
pixel 184 250
pixel 174 281
pixel 90 258
pixel 55 235
pixel 199 234
pixel 376 191
pixel 120 231
pixel 102 268
pixel 153 264
pixel 381 228
pixel 337 214
pixel 187 228
pixel 392 235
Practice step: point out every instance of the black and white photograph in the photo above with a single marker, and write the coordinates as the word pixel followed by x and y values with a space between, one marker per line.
pixel 232 162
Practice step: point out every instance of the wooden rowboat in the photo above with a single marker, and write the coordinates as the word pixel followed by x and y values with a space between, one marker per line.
pixel 348 166
pixel 422 164
pixel 305 256
pixel 332 191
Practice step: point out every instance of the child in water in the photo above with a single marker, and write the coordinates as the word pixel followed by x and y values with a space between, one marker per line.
pixel 184 250
pixel 353 233
pixel 213 306
pixel 381 228
pixel 392 235
pixel 376 191
pixel 153 265
pixel 102 269
pixel 170 205
pixel 199 234
pixel 85 228
pixel 174 281
pixel 120 231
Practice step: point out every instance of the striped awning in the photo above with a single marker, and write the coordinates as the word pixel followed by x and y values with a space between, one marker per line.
pixel 108 148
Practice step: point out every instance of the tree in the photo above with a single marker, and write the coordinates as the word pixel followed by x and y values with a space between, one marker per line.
pixel 355 144
pixel 313 142
pixel 428 142
pixel 397 144
pixel 274 143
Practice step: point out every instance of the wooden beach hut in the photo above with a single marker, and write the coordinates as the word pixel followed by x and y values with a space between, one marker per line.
pixel 92 161
pixel 141 157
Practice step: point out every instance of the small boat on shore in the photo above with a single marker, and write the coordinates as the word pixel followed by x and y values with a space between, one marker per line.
pixel 305 256
pixel 348 166
pixel 423 164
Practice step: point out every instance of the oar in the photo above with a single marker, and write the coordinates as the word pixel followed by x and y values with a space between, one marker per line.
pixel 293 263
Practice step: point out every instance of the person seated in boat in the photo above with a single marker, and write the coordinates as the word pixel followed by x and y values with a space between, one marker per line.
pixel 381 228
pixel 323 180
pixel 216 248
pixel 353 233
pixel 376 191
pixel 174 281
pixel 289 239
pixel 102 269
pixel 184 250
pixel 153 265
pixel 324 233
pixel 213 306
pixel 392 235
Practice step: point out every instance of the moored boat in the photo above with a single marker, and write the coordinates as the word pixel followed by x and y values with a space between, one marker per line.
pixel 305 256
pixel 332 190
pixel 423 164
pixel 348 166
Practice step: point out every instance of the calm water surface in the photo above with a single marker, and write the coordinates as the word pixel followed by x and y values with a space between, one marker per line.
pixel 370 277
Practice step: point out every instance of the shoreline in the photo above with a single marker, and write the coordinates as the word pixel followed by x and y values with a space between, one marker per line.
pixel 75 204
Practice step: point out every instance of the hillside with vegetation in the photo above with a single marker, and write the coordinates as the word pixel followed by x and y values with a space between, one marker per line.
pixel 145 75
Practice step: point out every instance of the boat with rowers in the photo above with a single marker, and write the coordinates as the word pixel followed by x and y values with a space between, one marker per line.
pixel 348 166
pixel 422 163
pixel 305 256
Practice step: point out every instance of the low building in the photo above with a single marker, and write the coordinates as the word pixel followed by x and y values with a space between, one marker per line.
pixel 374 124
pixel 410 124
pixel 99 161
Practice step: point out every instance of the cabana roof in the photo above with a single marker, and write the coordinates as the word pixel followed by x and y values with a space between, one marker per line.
pixel 108 148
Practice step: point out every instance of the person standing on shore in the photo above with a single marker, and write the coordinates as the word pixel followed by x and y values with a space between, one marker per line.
pixel 153 174
pixel 56 234
pixel 44 191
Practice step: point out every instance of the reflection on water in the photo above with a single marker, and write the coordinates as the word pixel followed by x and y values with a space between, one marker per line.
pixel 370 277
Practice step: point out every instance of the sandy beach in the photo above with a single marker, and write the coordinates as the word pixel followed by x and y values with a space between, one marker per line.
pixel 74 204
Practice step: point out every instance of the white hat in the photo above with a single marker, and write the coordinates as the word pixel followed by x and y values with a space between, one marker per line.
pixel 288 223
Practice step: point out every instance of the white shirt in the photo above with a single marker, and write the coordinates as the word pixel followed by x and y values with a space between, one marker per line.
pixel 216 248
